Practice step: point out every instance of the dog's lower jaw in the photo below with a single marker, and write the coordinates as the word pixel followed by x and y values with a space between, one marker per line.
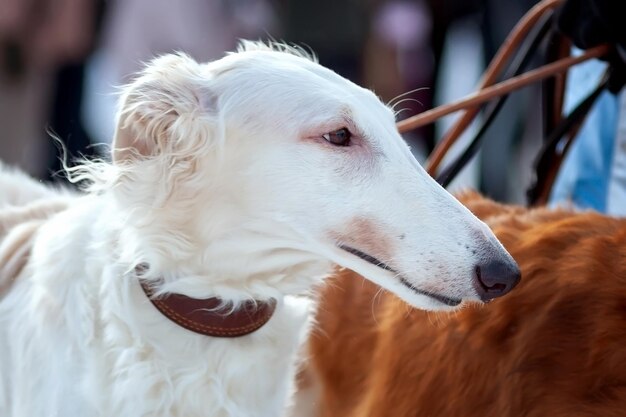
pixel 437 298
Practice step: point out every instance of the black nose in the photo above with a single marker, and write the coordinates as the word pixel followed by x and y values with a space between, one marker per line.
pixel 495 278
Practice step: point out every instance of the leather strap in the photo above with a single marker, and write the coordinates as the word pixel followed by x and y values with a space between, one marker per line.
pixel 208 316
pixel 489 89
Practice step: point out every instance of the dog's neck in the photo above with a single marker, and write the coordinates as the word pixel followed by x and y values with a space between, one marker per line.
pixel 222 257
pixel 236 284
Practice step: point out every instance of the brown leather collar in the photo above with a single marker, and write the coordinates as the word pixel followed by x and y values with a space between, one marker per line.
pixel 207 316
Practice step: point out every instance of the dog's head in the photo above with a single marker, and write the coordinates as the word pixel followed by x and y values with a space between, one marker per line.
pixel 266 164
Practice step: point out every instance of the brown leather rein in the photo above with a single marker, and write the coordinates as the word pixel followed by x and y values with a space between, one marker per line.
pixel 209 316
pixel 488 90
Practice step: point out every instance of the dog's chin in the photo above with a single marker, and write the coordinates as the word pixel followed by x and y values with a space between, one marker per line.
pixel 427 300
pixel 436 300
pixel 385 276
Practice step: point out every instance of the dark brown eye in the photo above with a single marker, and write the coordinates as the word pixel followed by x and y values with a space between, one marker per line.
pixel 339 137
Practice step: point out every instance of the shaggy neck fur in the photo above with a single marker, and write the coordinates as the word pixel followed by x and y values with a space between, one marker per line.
pixel 198 236
pixel 118 354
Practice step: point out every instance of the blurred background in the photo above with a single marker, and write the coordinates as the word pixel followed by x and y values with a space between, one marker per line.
pixel 61 60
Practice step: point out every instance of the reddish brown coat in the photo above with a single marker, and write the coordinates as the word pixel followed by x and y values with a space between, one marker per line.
pixel 555 346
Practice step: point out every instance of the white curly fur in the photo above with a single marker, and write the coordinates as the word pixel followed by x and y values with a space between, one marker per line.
pixel 222 183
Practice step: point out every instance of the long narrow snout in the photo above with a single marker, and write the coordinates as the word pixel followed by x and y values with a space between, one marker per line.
pixel 429 250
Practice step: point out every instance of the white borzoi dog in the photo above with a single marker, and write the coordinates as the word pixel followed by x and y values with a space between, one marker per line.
pixel 248 178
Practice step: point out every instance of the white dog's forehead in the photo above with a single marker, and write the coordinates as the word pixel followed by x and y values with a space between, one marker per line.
pixel 299 89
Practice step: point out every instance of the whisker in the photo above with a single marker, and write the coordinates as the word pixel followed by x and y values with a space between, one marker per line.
pixel 373 311
pixel 398 112
pixel 405 100
pixel 391 102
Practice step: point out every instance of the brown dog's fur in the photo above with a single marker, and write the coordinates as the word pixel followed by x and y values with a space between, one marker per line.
pixel 555 346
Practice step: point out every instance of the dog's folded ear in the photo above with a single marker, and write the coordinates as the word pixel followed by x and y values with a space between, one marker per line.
pixel 168 109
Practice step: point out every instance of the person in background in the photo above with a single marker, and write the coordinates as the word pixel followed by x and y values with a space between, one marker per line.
pixel 43 44
pixel 593 174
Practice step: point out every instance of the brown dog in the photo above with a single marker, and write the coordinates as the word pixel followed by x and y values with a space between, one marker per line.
pixel 556 346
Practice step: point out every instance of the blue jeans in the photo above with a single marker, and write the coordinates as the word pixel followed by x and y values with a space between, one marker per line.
pixel 583 180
